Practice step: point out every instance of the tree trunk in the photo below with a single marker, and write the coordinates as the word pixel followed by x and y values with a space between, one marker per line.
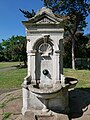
pixel 25 63
pixel 73 53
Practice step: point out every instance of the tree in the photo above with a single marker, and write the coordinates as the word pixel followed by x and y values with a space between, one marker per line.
pixel 88 46
pixel 6 49
pixel 14 49
pixel 27 14
pixel 74 13
pixel 81 48
pixel 1 53
pixel 21 47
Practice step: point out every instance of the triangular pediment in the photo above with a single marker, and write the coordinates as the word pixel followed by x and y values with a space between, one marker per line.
pixel 45 15
pixel 44 18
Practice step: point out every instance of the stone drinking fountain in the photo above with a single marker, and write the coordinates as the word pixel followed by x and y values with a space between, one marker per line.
pixel 45 88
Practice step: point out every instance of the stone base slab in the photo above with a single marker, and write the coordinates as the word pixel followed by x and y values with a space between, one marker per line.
pixel 38 115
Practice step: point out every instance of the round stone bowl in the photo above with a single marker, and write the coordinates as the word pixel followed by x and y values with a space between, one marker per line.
pixel 46 92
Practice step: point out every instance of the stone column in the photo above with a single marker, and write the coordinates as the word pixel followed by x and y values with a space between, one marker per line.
pixel 25 93
pixel 56 70
pixel 25 90
pixel 28 55
pixel 57 55
pixel 32 55
pixel 29 64
pixel 62 78
pixel 61 56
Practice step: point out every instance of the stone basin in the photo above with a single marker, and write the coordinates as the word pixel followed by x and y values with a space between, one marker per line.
pixel 71 82
pixel 46 93
pixel 53 90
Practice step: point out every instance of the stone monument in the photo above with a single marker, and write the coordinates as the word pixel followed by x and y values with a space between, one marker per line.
pixel 44 87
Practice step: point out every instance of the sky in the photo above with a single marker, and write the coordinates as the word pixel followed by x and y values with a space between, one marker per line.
pixel 11 18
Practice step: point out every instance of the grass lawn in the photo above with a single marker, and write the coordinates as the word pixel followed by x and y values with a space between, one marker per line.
pixel 11 78
pixel 83 77
pixel 14 78
pixel 8 64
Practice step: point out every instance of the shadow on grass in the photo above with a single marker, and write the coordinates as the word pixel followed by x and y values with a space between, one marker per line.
pixel 79 100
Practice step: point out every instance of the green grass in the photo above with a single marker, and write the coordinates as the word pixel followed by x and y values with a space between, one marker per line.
pixel 83 77
pixel 8 64
pixel 2 105
pixel 6 115
pixel 12 78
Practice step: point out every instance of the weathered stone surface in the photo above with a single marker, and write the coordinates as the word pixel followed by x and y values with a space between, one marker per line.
pixel 87 110
pixel 45 63
pixel 20 117
pixel 61 117
pixel 45 117
pixel 28 117
pixel 14 116
pixel 54 116
pixel 83 117
pixel 77 96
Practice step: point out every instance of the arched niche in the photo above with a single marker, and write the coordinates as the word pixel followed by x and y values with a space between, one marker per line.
pixel 44 59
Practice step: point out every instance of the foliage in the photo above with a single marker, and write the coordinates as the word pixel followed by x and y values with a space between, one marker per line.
pixel 81 46
pixel 74 13
pixel 81 50
pixel 27 14
pixel 1 53
pixel 67 53
pixel 88 45
pixel 14 48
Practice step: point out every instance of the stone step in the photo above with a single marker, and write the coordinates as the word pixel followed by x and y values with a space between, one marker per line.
pixel 53 117
pixel 32 115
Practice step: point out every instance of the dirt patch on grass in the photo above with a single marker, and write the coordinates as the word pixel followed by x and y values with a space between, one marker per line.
pixel 6 90
pixel 10 104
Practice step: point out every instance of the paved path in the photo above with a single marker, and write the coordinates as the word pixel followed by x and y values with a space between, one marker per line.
pixel 8 68
pixel 6 90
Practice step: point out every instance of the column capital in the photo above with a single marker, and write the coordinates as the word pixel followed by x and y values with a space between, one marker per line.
pixel 31 53
pixel 57 51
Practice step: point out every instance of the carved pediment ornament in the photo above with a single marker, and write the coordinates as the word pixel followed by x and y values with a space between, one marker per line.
pixel 45 20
